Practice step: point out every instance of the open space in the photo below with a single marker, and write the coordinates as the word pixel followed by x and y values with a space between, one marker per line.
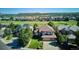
pixel 41 23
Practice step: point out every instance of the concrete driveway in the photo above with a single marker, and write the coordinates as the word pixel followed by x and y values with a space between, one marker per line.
pixel 50 45
pixel 3 46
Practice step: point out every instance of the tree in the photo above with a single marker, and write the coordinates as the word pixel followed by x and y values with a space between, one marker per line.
pixel 7 32
pixel 35 26
pixel 77 37
pixel 9 37
pixel 77 18
pixel 66 19
pixel 77 23
pixel 51 23
pixel 24 36
pixel 12 26
pixel 62 38
pixel 11 18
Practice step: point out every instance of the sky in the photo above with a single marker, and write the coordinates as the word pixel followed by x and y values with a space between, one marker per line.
pixel 37 10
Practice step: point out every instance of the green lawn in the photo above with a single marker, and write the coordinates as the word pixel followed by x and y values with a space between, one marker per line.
pixel 70 23
pixel 35 44
pixel 25 22
pixel 41 23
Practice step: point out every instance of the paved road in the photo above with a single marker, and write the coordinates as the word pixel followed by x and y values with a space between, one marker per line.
pixel 49 45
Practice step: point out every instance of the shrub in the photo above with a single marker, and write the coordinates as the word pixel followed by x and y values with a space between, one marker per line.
pixel 35 44
pixel 9 37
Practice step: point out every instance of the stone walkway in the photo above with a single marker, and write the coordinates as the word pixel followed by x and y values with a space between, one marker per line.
pixel 49 45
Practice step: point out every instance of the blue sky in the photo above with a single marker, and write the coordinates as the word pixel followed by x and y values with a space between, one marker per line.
pixel 36 10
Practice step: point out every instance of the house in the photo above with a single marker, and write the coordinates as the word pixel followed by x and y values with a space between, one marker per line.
pixel 74 28
pixel 20 27
pixel 71 38
pixel 24 18
pixel 68 29
pixel 47 33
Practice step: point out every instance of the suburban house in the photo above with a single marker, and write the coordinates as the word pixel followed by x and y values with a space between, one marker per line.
pixel 47 33
pixel 71 38
pixel 69 31
pixel 20 27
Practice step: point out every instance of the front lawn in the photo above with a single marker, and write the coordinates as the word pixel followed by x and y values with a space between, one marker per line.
pixel 35 44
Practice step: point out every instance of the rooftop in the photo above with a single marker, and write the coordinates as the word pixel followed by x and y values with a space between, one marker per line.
pixel 46 28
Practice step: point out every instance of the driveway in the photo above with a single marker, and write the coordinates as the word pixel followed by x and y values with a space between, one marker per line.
pixel 3 46
pixel 50 45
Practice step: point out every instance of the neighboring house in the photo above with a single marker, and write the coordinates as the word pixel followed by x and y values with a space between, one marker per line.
pixel 74 28
pixel 69 31
pixel 71 38
pixel 24 18
pixel 60 27
pixel 47 33
pixel 23 26
pixel 5 18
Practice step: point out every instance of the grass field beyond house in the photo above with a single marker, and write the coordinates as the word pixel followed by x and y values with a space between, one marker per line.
pixel 41 23
pixel 70 23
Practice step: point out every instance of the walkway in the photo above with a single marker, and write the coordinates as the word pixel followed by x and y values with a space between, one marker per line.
pixel 3 46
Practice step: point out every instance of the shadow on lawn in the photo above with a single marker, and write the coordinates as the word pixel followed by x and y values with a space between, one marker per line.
pixel 15 44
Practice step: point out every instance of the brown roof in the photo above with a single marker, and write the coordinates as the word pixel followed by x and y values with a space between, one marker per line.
pixel 45 28
pixel 49 37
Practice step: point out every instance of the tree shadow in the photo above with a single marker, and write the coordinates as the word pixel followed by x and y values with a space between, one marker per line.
pixel 14 45
pixel 53 43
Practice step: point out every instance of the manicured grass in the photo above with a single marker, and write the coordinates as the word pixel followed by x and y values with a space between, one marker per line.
pixel 35 44
pixel 41 23
pixel 70 23
pixel 26 22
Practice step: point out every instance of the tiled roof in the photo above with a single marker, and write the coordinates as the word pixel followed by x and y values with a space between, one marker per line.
pixel 45 28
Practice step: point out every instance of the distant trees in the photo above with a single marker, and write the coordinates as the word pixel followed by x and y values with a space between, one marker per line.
pixel 66 19
pixel 11 18
pixel 77 37
pixel 77 23
pixel 24 36
pixel 77 18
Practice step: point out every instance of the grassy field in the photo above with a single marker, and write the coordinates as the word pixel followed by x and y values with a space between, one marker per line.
pixel 41 23
pixel 70 23
pixel 25 22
